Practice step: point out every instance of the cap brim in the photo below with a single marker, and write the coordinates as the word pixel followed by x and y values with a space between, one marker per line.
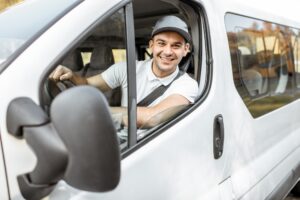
pixel 184 34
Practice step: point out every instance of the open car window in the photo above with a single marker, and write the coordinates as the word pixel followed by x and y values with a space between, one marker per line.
pixel 105 48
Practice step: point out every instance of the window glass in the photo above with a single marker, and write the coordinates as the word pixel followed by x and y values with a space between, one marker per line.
pixel 296 53
pixel 252 61
pixel 262 62
pixel 103 50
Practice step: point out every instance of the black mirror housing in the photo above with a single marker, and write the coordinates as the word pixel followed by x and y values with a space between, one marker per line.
pixel 78 143
pixel 82 119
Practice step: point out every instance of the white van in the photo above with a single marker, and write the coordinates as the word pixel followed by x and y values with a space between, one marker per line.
pixel 239 140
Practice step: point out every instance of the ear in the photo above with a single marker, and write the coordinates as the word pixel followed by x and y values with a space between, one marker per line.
pixel 151 43
pixel 186 48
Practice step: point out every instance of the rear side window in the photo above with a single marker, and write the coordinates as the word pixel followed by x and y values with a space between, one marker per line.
pixel 265 64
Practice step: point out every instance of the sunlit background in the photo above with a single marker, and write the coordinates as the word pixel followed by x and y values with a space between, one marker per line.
pixel 7 3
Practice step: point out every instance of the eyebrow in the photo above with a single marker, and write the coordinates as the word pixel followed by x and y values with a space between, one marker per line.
pixel 175 43
pixel 160 40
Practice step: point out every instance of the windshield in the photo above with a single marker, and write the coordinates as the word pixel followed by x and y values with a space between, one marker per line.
pixel 25 21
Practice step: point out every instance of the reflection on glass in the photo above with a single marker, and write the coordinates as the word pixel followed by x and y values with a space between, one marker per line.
pixel 262 55
pixel 296 54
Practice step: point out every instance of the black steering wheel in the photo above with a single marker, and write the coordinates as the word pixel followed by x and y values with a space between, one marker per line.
pixel 53 88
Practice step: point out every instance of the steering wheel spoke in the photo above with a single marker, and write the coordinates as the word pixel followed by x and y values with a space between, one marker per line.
pixel 53 88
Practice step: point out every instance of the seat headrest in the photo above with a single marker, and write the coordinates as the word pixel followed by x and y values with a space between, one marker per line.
pixel 73 60
pixel 102 57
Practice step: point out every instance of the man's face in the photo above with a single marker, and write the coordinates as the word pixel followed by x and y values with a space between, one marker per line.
pixel 168 48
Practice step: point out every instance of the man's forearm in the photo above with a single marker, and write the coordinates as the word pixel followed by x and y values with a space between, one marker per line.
pixel 144 114
pixel 78 80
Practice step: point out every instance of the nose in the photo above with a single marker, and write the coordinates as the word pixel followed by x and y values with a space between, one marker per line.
pixel 167 50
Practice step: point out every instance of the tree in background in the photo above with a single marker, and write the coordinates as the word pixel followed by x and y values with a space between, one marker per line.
pixel 6 3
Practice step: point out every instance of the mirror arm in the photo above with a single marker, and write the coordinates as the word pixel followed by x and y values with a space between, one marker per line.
pixel 25 119
pixel 50 151
pixel 24 112
pixel 31 191
pixel 52 161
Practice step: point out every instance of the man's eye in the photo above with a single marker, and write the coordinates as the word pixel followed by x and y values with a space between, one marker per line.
pixel 161 43
pixel 177 46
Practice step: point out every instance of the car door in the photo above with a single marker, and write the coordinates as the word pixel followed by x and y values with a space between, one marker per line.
pixel 185 158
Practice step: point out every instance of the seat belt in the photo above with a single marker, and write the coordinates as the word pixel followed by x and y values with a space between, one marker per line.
pixel 157 92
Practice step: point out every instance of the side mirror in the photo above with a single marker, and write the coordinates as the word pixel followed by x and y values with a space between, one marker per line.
pixel 78 144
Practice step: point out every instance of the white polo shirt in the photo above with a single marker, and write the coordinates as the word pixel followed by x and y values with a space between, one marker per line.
pixel 116 75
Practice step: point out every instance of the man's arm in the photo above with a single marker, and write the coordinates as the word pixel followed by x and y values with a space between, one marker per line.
pixel 144 114
pixel 63 73
pixel 98 82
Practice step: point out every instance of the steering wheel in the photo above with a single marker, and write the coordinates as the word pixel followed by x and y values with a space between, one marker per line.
pixel 53 88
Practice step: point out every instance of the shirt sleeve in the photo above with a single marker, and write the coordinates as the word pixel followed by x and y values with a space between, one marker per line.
pixel 115 75
pixel 185 86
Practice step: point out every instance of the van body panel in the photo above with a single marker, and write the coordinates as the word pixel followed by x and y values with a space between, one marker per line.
pixel 254 171
pixel 3 185
pixel 152 163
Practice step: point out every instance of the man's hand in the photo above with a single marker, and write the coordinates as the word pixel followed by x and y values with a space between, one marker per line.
pixel 61 73
pixel 121 114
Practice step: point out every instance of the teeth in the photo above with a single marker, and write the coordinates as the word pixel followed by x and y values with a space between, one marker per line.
pixel 166 58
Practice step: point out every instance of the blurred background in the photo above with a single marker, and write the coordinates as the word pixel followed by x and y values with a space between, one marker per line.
pixel 7 3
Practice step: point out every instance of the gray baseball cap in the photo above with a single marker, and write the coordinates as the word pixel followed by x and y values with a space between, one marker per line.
pixel 172 23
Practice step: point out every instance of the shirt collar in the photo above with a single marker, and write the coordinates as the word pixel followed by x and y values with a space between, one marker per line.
pixel 165 80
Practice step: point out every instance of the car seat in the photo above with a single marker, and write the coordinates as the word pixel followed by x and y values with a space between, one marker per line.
pixel 73 60
pixel 101 59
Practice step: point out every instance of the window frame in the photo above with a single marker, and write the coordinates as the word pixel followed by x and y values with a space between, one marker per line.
pixel 203 59
pixel 131 76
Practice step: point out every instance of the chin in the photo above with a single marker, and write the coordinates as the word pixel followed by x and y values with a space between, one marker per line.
pixel 167 68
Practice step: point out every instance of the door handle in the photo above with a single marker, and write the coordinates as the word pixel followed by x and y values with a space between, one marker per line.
pixel 218 136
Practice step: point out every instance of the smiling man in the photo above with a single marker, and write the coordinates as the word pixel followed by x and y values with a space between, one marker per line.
pixel 170 42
